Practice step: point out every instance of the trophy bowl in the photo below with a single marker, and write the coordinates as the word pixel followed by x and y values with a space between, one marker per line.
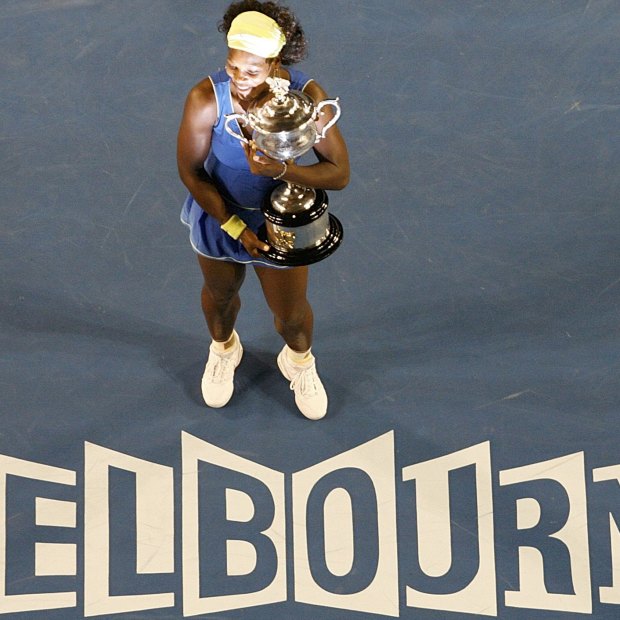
pixel 298 228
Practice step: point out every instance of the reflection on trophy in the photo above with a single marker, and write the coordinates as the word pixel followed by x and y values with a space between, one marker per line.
pixel 298 228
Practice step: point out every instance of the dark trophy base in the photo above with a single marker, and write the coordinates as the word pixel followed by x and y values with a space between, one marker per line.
pixel 305 256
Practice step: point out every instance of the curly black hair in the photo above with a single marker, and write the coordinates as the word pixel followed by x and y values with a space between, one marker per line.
pixel 296 46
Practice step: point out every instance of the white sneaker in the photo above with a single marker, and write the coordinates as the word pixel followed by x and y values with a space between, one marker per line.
pixel 310 395
pixel 217 381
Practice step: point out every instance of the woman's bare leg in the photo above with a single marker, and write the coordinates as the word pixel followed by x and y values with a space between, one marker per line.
pixel 220 305
pixel 285 291
pixel 220 295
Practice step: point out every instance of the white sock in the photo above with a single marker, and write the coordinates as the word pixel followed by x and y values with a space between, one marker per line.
pixel 298 358
pixel 225 346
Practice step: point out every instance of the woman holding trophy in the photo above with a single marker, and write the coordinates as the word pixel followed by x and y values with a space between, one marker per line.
pixel 229 180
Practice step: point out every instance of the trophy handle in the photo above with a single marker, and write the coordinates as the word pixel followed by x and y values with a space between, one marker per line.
pixel 232 132
pixel 335 104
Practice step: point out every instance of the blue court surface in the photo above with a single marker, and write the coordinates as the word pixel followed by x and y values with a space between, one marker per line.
pixel 466 330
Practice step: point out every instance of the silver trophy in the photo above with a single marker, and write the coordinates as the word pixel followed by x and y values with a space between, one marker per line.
pixel 298 228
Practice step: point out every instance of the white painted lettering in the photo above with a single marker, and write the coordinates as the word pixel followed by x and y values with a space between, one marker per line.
pixel 154 530
pixel 434 522
pixel 39 601
pixel 267 530
pixel 567 471
pixel 611 594
pixel 367 470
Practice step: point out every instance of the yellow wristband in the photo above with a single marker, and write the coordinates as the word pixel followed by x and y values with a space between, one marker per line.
pixel 234 226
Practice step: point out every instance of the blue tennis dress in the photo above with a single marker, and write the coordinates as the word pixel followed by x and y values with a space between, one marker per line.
pixel 242 191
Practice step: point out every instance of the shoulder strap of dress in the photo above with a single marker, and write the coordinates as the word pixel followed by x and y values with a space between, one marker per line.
pixel 220 82
pixel 299 80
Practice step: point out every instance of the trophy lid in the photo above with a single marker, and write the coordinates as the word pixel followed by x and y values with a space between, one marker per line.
pixel 281 109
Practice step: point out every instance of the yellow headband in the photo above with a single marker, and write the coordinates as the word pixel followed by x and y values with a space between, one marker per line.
pixel 257 34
